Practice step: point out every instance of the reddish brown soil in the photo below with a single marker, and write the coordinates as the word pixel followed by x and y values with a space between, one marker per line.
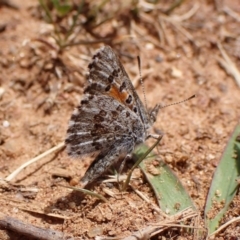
pixel 36 106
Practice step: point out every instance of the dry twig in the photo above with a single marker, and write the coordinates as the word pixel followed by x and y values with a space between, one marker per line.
pixel 29 230
pixel 33 160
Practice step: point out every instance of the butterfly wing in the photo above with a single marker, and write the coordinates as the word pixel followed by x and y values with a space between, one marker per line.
pixel 110 107
pixel 111 118
pixel 96 124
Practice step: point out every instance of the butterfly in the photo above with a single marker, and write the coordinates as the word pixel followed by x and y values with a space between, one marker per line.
pixel 111 118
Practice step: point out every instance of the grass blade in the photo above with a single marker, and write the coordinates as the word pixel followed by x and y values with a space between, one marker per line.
pixel 170 193
pixel 224 185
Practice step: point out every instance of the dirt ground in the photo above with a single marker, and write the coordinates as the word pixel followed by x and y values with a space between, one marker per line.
pixel 40 86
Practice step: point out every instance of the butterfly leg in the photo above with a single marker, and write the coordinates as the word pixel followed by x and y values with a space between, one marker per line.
pixel 129 156
pixel 155 136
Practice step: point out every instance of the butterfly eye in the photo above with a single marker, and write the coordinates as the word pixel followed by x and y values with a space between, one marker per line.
pixel 153 113
pixel 152 117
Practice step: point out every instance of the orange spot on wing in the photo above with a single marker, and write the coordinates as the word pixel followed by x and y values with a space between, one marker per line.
pixel 120 96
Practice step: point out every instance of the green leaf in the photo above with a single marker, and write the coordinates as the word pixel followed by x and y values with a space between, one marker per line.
pixel 170 193
pixel 62 8
pixel 224 184
pixel 46 10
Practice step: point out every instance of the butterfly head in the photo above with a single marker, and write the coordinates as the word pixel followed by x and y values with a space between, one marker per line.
pixel 153 113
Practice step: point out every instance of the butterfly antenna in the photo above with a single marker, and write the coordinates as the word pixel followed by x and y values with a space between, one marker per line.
pixel 193 96
pixel 141 81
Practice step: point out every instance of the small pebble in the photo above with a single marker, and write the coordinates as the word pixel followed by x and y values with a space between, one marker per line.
pixel 149 46
pixel 176 73
pixel 95 231
pixel 74 181
pixel 6 124
pixel 2 90
pixel 72 205
pixel 168 158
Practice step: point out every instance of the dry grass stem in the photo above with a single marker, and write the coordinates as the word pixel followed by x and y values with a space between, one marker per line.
pixel 33 160
pixel 146 199
pixel 229 65
pixel 231 13
pixel 170 222
pixel 185 16
pixel 233 220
